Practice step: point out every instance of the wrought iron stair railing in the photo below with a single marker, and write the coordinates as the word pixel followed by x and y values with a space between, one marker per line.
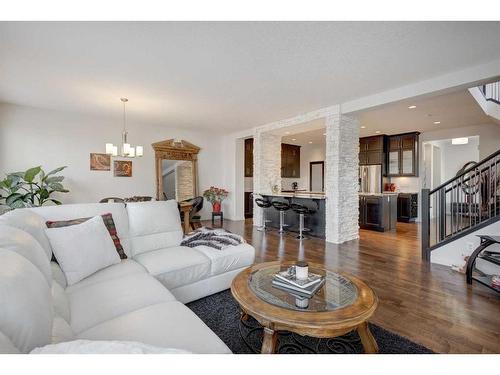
pixel 491 92
pixel 461 205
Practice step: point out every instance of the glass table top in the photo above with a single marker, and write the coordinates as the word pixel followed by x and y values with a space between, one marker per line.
pixel 336 293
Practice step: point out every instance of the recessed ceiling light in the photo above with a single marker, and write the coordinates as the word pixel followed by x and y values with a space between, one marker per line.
pixel 437 122
pixel 310 142
pixel 412 107
pixel 294 139
pixel 378 131
pixel 363 127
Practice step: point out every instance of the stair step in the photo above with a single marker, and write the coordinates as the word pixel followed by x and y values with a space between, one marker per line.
pixel 486 281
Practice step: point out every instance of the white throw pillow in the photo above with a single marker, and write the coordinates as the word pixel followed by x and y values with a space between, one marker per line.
pixel 83 249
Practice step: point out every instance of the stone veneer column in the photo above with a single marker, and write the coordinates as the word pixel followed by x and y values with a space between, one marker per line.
pixel 266 166
pixel 341 178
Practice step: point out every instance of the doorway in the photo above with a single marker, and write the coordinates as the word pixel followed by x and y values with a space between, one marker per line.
pixel 317 176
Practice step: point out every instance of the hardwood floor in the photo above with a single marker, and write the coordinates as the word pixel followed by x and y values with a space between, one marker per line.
pixel 429 304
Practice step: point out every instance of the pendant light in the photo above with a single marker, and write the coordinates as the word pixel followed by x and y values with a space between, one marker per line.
pixel 126 150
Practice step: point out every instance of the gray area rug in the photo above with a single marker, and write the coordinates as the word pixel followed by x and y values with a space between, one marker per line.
pixel 221 313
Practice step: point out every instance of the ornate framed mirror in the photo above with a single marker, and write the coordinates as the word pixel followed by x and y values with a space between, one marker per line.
pixel 176 169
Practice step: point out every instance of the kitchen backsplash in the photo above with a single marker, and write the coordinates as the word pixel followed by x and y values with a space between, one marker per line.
pixel 406 184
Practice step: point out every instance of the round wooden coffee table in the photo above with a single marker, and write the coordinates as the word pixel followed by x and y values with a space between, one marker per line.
pixel 343 304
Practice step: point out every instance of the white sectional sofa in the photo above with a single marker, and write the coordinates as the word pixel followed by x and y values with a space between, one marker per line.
pixel 139 299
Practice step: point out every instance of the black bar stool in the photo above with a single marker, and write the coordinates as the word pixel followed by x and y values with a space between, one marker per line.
pixel 263 203
pixel 303 211
pixel 281 207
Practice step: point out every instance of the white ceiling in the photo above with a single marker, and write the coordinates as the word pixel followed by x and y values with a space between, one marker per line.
pixel 228 75
pixel 452 110
pixel 304 138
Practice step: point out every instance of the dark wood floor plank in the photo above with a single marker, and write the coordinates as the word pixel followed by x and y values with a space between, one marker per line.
pixel 429 304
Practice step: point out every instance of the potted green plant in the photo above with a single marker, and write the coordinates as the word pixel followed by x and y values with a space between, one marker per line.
pixel 215 196
pixel 31 188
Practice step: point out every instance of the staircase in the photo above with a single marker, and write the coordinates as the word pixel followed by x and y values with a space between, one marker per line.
pixel 462 205
pixel 488 98
pixel 491 92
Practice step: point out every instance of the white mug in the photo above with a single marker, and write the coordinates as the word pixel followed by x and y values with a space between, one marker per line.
pixel 301 270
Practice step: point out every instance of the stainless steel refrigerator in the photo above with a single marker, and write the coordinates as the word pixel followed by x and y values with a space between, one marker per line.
pixel 370 179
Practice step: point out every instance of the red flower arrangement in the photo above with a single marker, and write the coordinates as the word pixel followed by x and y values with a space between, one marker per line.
pixel 215 196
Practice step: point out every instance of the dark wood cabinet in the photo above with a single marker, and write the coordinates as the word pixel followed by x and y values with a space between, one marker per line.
pixel 290 161
pixel 377 212
pixel 402 157
pixel 407 207
pixel 372 150
pixel 373 212
pixel 249 157
pixel 248 204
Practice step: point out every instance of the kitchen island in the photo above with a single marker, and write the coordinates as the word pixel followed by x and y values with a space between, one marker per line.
pixel 378 211
pixel 314 201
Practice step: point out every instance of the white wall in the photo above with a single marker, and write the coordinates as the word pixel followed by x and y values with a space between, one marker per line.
pixel 308 153
pixel 489 136
pixel 30 137
pixel 454 252
pixel 454 157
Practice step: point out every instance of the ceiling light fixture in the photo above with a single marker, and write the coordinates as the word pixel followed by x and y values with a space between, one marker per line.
pixel 324 133
pixel 287 132
pixel 437 122
pixel 310 142
pixel 294 139
pixel 412 107
pixel 363 127
pixel 460 141
pixel 377 131
pixel 127 151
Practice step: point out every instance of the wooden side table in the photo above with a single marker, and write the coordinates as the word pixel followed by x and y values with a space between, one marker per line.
pixel 217 214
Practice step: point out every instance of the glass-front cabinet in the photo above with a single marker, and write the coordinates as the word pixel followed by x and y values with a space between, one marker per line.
pixel 393 162
pixel 403 155
pixel 407 163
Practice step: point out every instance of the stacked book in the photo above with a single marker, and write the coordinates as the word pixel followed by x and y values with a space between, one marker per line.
pixel 306 288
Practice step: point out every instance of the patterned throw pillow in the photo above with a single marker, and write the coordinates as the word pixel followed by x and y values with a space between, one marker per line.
pixel 108 222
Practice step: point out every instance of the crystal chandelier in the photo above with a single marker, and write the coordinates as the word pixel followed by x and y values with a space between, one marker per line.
pixel 126 150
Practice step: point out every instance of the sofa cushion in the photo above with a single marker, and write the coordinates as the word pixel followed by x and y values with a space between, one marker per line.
pixel 154 225
pixel 61 302
pixel 6 345
pixel 83 249
pixel 108 222
pixel 58 275
pixel 71 211
pixel 126 267
pixel 168 325
pixel 176 266
pixel 30 222
pixel 61 331
pixel 24 244
pixel 98 302
pixel 25 303
pixel 228 259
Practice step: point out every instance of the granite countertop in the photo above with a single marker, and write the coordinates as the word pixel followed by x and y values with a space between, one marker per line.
pixel 379 194
pixel 302 194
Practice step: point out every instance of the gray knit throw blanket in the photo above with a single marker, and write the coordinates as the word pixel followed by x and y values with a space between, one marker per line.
pixel 217 238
